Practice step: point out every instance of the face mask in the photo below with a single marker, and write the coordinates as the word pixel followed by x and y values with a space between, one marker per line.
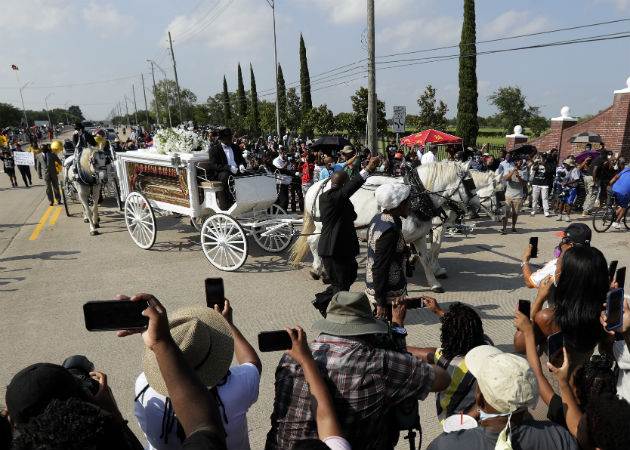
pixel 503 442
pixel 381 169
pixel 557 252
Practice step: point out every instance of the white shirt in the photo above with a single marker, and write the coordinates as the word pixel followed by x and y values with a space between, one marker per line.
pixel 542 273
pixel 284 179
pixel 229 154
pixel 427 158
pixel 238 393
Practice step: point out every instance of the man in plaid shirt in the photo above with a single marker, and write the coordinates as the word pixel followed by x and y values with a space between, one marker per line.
pixel 366 382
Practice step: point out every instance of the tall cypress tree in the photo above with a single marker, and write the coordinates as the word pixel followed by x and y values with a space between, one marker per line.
pixel 282 99
pixel 467 123
pixel 305 83
pixel 254 115
pixel 242 100
pixel 227 113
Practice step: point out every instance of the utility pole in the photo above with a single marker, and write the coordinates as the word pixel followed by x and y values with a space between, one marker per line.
pixel 272 3
pixel 146 108
pixel 135 108
pixel 127 112
pixel 22 97
pixel 157 114
pixel 179 100
pixel 47 111
pixel 168 105
pixel 65 110
pixel 372 136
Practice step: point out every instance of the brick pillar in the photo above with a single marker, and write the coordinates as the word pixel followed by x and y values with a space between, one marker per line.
pixel 620 121
pixel 557 135
pixel 518 138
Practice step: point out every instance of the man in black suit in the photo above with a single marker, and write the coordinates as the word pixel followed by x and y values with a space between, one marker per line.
pixel 226 159
pixel 338 244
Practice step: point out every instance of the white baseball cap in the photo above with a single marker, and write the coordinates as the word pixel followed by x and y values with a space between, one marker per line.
pixel 506 381
pixel 389 196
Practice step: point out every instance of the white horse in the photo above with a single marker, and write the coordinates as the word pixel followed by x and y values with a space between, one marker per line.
pixel 444 180
pixel 487 184
pixel 92 173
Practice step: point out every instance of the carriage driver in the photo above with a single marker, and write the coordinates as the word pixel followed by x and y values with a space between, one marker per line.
pixel 385 280
pixel 226 159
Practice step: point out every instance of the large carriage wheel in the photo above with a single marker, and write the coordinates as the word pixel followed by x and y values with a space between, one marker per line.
pixel 140 220
pixel 224 242
pixel 281 236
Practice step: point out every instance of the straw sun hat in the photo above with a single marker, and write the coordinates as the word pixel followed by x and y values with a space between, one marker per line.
pixel 205 339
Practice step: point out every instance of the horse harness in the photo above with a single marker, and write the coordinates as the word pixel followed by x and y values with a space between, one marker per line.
pixel 80 175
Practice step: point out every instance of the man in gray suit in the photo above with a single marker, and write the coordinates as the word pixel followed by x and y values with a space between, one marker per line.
pixel 46 167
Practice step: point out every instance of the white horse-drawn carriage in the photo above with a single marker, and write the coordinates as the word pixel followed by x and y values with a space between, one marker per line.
pixel 154 184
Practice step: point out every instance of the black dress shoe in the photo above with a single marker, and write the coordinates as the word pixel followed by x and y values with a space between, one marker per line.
pixel 320 307
pixel 51 203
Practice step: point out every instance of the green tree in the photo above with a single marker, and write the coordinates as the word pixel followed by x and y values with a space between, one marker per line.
pixel 282 100
pixel 254 124
pixel 10 116
pixel 188 98
pixel 242 101
pixel 320 119
pixel 76 112
pixel 214 106
pixel 294 110
pixel 305 83
pixel 513 107
pixel 344 123
pixel 227 109
pixel 467 124
pixel 201 114
pixel 537 125
pixel 360 107
pixel 432 114
pixel 267 116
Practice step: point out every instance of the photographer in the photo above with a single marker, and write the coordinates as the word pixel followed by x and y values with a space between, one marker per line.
pixel 541 174
pixel 515 178
pixel 569 189
pixel 368 381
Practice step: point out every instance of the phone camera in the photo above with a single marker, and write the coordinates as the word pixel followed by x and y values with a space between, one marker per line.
pixel 80 367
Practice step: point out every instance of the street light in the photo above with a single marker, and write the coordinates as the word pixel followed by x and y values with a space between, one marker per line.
pixel 168 106
pixel 65 109
pixel 48 112
pixel 22 98
pixel 272 4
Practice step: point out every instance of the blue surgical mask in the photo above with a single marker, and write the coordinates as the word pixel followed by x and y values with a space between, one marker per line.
pixel 484 415
pixel 381 169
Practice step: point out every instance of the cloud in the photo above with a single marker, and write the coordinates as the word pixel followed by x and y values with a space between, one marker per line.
pixel 621 5
pixel 105 18
pixel 513 22
pixel 351 11
pixel 405 34
pixel 40 15
pixel 221 26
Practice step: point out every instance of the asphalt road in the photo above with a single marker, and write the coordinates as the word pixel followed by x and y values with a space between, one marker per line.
pixel 45 280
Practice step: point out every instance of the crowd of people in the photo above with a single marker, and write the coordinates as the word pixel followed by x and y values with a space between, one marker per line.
pixel 358 383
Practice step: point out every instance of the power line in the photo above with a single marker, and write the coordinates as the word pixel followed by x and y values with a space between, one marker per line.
pixel 83 83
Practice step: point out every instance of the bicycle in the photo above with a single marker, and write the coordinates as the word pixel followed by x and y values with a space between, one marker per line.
pixel 604 216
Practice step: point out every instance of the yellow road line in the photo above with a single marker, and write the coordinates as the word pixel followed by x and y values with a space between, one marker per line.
pixel 40 225
pixel 55 216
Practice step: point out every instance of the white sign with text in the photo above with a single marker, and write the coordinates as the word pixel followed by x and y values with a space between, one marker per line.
pixel 24 158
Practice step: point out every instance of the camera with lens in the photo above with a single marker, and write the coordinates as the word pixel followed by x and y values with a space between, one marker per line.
pixel 80 367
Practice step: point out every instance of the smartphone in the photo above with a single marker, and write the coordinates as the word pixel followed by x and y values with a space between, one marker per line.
pixel 214 292
pixel 533 241
pixel 414 302
pixel 271 341
pixel 614 308
pixel 525 306
pixel 555 342
pixel 611 269
pixel 108 315
pixel 620 277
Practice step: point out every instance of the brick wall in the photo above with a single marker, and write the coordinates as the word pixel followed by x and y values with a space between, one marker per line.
pixel 612 124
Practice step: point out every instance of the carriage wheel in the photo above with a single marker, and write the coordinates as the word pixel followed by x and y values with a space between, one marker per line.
pixel 140 220
pixel 223 242
pixel 280 238
pixel 119 203
pixel 197 222
pixel 65 200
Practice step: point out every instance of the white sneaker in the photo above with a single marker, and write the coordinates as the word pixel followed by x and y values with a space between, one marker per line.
pixel 568 219
pixel 547 214
pixel 559 218
pixel 616 225
pixel 533 213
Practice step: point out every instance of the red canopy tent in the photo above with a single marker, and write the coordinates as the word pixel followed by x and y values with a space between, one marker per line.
pixel 431 136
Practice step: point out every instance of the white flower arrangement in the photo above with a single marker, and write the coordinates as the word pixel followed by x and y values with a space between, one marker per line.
pixel 176 140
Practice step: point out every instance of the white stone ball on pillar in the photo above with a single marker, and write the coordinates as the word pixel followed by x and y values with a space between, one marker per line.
pixel 565 111
pixel 518 129
pixel 628 82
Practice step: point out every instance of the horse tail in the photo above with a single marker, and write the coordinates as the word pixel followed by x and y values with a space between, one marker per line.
pixel 301 246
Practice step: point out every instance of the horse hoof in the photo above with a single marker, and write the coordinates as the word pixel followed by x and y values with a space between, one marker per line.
pixel 94 233
pixel 97 225
pixel 437 289
pixel 86 221
pixel 441 275
pixel 314 275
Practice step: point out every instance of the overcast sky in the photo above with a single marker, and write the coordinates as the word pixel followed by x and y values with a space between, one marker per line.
pixel 90 53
